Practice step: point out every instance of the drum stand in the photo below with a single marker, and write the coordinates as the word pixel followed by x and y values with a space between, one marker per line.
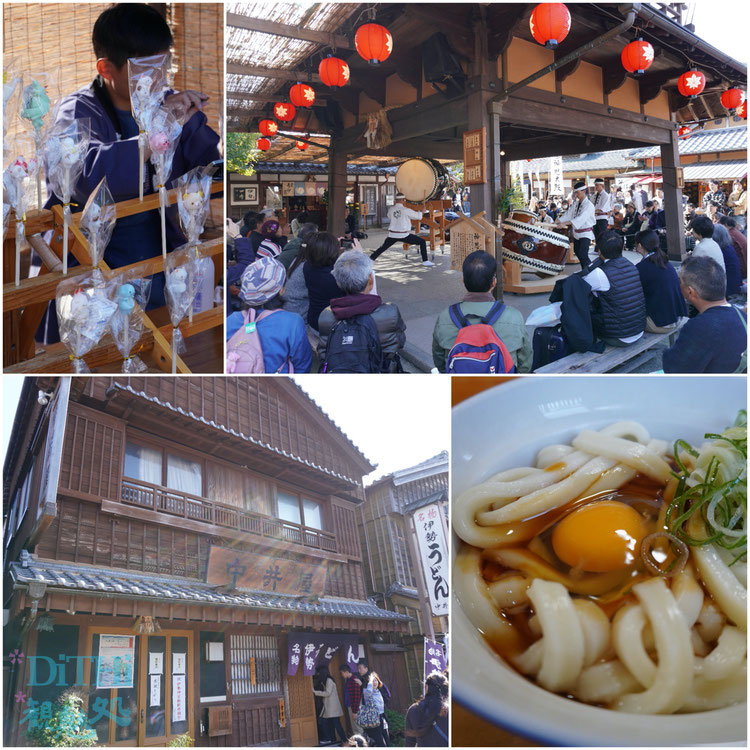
pixel 436 223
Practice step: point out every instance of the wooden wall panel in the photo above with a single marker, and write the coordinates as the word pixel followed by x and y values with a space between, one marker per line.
pixel 346 529
pixel 92 453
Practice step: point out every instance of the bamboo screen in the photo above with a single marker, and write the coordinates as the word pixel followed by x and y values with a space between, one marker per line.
pixel 56 37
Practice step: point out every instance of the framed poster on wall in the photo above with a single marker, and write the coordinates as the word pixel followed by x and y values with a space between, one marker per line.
pixel 244 195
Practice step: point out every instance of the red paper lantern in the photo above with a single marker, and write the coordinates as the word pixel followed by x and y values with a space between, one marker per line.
pixel 732 98
pixel 742 110
pixel 691 84
pixel 263 144
pixel 284 111
pixel 301 145
pixel 550 23
pixel 683 131
pixel 333 72
pixel 637 57
pixel 302 95
pixel 374 43
pixel 268 127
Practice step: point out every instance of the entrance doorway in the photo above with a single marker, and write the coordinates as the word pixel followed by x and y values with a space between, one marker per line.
pixel 140 687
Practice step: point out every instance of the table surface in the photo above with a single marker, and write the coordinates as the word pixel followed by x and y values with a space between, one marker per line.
pixel 469 730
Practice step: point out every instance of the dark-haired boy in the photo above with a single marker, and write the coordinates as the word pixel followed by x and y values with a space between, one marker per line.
pixel 123 31
pixel 352 696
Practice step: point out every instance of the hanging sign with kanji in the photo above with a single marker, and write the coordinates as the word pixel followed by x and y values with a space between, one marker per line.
pixel 475 169
pixel 434 657
pixel 433 549
pixel 246 570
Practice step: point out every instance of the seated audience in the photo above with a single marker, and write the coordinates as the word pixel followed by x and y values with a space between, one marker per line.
pixel 649 216
pixel 480 278
pixel 739 242
pixel 282 334
pixel 292 248
pixel 322 250
pixel 731 260
pixel 715 341
pixel 271 230
pixel 354 276
pixel 665 304
pixel 702 228
pixel 618 312
pixel 298 221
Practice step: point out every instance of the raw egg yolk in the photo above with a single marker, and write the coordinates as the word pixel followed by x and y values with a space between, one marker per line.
pixel 599 537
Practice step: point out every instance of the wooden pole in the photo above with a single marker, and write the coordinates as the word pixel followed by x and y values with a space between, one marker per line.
pixel 336 189
pixel 670 163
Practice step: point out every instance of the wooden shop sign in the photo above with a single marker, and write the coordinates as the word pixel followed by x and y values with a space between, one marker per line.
pixel 475 168
pixel 246 570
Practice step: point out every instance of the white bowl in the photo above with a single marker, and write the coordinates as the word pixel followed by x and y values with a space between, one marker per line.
pixel 504 427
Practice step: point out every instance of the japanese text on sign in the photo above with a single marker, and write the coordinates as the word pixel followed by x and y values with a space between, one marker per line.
pixel 311 649
pixel 434 657
pixel 433 550
pixel 474 157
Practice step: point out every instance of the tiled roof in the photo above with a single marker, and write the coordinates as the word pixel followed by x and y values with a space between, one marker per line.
pixel 294 167
pixel 223 428
pixel 718 170
pixel 602 160
pixel 93 580
pixel 702 142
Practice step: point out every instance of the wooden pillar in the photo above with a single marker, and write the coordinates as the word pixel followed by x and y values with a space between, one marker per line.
pixel 670 163
pixel 336 190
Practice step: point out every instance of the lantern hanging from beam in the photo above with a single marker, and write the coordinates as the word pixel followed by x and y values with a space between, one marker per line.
pixel 302 95
pixel 691 83
pixel 550 23
pixel 683 131
pixel 284 111
pixel 301 145
pixel 637 57
pixel 268 127
pixel 334 72
pixel 732 98
pixel 742 110
pixel 263 144
pixel 374 43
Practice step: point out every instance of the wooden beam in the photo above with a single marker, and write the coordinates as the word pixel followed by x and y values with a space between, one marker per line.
pixel 248 97
pixel 290 32
pixel 240 69
pixel 565 71
pixel 613 76
pixel 419 147
pixel 670 163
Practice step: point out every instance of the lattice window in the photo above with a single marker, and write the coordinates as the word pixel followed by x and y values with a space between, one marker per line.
pixel 255 667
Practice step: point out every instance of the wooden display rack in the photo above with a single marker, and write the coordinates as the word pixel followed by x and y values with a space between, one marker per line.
pixel 24 305
pixel 436 222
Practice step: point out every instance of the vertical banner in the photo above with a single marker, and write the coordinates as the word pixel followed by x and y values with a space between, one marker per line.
pixel 433 549
pixel 556 186
pixel 434 657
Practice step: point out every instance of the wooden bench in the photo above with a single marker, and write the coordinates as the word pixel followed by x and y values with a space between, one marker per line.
pixel 613 358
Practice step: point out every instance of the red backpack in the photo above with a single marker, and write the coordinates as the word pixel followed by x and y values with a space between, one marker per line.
pixel 478 349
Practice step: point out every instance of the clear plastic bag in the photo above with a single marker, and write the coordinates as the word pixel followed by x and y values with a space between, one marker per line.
pixel 12 85
pixel 163 134
pixel 126 324
pixel 193 201
pixel 20 170
pixel 64 156
pixel 98 222
pixel 148 82
pixel 84 309
pixel 184 273
pixel 39 97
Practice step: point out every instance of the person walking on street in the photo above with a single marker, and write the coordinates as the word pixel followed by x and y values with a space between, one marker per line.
pixel 371 710
pixel 331 712
pixel 399 230
pixel 352 697
pixel 427 720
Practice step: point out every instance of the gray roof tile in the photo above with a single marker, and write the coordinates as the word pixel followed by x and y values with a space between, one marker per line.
pixel 702 142
pixel 95 580
pixel 297 167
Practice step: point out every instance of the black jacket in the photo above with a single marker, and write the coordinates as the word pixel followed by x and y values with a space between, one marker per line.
pixel 576 297
pixel 621 310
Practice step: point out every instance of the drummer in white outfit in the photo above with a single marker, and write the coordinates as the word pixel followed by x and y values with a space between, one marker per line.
pixel 399 230
pixel 602 201
pixel 580 216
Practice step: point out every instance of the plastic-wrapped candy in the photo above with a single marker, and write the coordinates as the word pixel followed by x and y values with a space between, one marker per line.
pixel 12 85
pixel 85 307
pixel 64 154
pixel 147 79
pixel 193 201
pixel 98 222
pixel 22 167
pixel 38 98
pixel 127 326
pixel 184 271
pixel 163 133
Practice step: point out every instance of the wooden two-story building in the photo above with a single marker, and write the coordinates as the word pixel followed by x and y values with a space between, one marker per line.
pixel 183 551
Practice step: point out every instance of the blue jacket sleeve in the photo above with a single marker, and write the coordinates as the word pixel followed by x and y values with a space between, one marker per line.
pixel 233 324
pixel 198 145
pixel 301 351
pixel 689 353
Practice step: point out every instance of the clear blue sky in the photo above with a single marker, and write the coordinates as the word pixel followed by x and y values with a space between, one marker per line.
pixel 395 421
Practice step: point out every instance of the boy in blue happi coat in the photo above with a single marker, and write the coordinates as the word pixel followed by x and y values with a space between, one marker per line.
pixel 123 31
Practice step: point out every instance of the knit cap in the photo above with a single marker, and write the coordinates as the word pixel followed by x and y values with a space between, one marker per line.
pixel 262 281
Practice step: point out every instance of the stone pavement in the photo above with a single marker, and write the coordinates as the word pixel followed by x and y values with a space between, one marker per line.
pixel 421 293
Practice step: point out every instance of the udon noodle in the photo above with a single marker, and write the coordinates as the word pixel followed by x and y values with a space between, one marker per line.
pixel 612 572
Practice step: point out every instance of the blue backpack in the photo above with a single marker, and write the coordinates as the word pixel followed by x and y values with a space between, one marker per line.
pixel 478 350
